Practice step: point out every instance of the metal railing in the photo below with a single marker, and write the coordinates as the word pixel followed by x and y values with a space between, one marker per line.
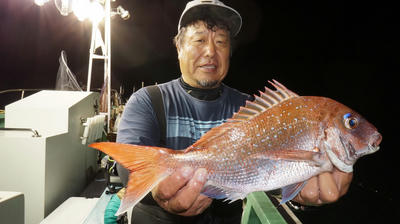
pixel 34 131
pixel 19 90
pixel 260 209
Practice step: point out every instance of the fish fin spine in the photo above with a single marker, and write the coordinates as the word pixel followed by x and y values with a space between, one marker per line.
pixel 266 100
pixel 252 109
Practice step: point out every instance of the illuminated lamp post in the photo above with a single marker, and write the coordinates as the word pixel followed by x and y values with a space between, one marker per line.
pixel 95 11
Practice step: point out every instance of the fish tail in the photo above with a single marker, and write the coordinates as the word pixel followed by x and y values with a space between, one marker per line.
pixel 147 167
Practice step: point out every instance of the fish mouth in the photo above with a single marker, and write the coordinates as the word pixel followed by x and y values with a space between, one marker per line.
pixel 372 149
pixel 373 146
pixel 352 154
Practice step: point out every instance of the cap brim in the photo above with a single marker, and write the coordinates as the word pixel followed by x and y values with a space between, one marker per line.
pixel 230 16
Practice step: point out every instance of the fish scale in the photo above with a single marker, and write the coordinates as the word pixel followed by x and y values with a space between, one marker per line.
pixel 279 140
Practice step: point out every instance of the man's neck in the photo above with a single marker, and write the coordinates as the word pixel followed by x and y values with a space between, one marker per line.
pixel 202 94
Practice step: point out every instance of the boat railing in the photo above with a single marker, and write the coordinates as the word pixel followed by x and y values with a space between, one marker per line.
pixel 34 131
pixel 262 209
pixel 19 90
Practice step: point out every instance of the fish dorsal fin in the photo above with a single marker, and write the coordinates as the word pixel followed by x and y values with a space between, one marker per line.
pixel 266 100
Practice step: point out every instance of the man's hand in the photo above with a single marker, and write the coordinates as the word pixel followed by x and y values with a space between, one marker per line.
pixel 180 192
pixel 325 188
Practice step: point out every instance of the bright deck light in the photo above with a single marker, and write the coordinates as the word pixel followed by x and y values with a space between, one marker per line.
pixel 41 2
pixel 84 9
pixel 80 9
pixel 96 12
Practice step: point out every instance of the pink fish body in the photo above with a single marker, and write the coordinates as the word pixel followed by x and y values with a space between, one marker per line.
pixel 277 141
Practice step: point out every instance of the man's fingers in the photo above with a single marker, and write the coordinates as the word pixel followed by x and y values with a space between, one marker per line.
pixel 188 195
pixel 180 192
pixel 328 189
pixel 202 202
pixel 310 193
pixel 343 180
pixel 167 188
pixel 325 188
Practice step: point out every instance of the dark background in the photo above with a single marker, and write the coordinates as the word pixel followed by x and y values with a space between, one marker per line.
pixel 342 50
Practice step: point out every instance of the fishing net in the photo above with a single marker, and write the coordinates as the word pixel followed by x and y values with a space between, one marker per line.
pixel 65 78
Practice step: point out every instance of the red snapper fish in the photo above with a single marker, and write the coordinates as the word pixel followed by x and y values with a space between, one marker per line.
pixel 278 141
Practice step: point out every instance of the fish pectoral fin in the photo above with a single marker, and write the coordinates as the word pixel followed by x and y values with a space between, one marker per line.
pixel 291 155
pixel 290 191
pixel 213 191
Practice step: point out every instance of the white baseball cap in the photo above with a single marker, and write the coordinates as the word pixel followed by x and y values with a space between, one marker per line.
pixel 216 8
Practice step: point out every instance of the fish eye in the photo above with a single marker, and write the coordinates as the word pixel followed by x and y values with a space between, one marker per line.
pixel 350 122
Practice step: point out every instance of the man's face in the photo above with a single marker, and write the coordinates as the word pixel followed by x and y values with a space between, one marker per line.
pixel 204 55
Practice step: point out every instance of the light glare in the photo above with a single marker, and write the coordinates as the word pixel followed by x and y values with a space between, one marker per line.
pixel 41 2
pixel 96 12
pixel 84 9
pixel 80 7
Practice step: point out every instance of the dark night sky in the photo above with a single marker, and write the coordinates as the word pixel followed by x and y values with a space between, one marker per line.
pixel 345 51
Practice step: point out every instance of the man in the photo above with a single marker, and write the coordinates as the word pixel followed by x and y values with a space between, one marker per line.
pixel 193 104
